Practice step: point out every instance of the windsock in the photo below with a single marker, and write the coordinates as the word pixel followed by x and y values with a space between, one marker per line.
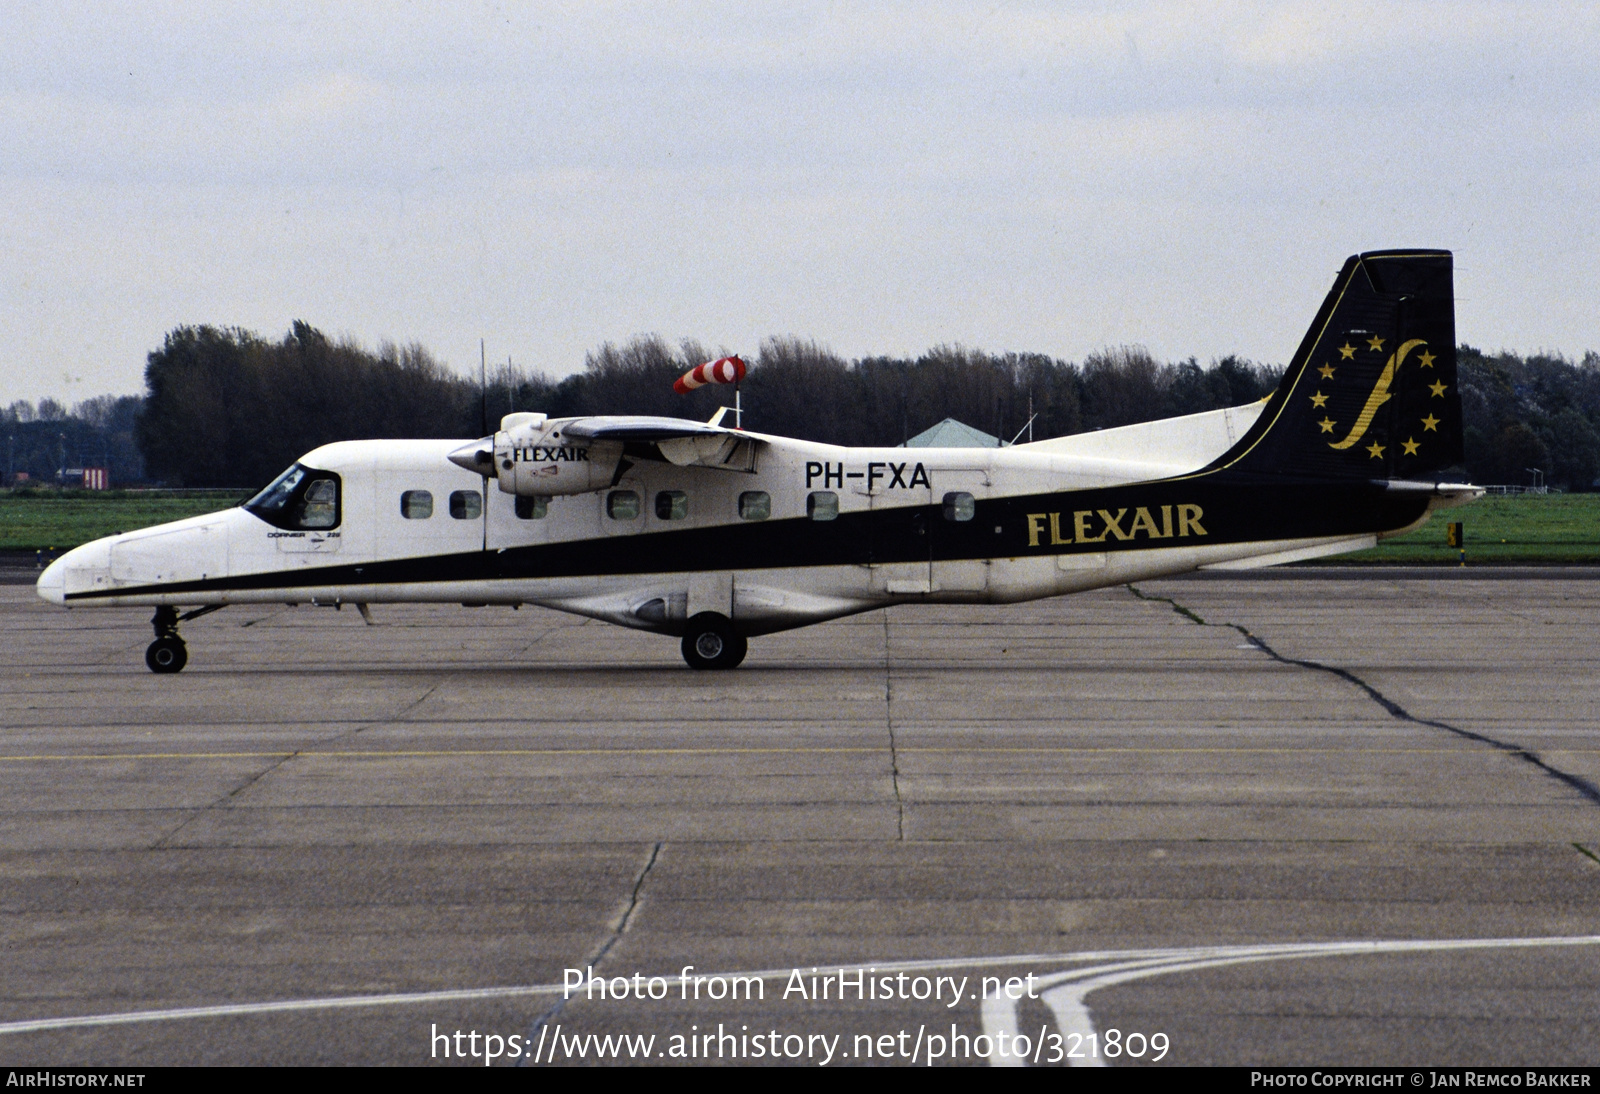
pixel 724 370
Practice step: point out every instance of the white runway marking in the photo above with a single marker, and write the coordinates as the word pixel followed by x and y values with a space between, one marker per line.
pixel 1064 992
pixel 228 1010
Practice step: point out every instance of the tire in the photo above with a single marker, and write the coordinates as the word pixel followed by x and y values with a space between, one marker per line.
pixel 166 655
pixel 710 642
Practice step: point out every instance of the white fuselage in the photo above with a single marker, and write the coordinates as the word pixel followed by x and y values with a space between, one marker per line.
pixel 384 480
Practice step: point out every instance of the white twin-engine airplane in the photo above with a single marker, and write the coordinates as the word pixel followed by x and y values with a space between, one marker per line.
pixel 717 535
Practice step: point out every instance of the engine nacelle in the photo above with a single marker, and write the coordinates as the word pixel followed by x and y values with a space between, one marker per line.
pixel 532 458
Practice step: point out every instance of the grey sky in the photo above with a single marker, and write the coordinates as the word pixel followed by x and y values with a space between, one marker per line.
pixel 883 178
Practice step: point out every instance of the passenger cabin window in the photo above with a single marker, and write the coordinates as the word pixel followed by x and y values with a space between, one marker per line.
pixel 532 508
pixel 416 505
pixel 466 504
pixel 672 505
pixel 959 506
pixel 755 505
pixel 822 505
pixel 301 498
pixel 622 505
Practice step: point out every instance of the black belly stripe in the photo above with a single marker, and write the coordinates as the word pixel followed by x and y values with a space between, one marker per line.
pixel 1236 508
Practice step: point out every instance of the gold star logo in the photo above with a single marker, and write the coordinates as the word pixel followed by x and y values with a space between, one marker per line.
pixel 1410 446
pixel 1437 388
pixel 1327 425
pixel 1426 360
pixel 1318 399
pixel 1327 372
pixel 1431 424
pixel 1347 351
pixel 1376 449
pixel 1375 342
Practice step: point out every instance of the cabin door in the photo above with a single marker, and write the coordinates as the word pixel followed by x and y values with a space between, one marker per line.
pixel 961 534
pixel 900 498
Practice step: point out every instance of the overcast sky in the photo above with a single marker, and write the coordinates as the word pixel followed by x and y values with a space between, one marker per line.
pixel 1033 177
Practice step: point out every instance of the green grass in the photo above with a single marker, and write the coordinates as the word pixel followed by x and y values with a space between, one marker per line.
pixel 1522 528
pixel 31 519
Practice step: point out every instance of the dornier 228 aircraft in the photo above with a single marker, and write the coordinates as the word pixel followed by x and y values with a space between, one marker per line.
pixel 715 534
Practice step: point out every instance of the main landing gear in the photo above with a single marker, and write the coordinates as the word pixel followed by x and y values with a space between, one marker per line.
pixel 710 642
pixel 168 653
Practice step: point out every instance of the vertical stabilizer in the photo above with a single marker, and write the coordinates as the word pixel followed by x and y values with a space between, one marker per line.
pixel 1371 392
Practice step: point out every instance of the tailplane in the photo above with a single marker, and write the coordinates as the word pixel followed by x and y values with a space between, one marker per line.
pixel 1371 392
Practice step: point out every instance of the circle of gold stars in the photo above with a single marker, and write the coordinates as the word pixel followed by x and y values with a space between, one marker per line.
pixel 1430 424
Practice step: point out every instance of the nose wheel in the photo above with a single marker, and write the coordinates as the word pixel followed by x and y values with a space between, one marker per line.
pixel 710 642
pixel 168 653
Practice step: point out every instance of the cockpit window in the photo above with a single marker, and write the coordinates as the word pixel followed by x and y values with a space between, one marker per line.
pixel 276 496
pixel 321 506
pixel 300 498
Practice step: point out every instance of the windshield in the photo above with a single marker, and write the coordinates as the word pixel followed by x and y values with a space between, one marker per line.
pixel 275 497
pixel 302 498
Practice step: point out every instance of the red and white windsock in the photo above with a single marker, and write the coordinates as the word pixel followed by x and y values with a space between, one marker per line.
pixel 724 370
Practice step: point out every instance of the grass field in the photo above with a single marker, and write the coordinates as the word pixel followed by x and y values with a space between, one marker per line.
pixel 1554 528
pixel 1525 528
pixel 35 519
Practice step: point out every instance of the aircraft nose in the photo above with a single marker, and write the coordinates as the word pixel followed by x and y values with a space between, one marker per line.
pixel 477 456
pixel 52 584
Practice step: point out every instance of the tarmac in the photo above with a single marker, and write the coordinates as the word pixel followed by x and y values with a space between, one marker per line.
pixel 1303 820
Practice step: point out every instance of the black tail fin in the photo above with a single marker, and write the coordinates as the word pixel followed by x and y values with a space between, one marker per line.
pixel 1371 392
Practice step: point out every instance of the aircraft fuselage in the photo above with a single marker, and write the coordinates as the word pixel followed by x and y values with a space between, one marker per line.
pixel 810 532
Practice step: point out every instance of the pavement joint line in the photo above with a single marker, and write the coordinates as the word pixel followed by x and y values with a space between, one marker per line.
pixel 1576 782
pixel 922 750
pixel 618 928
pixel 1583 786
pixel 1586 853
pixel 1173 604
pixel 1153 958
pixel 166 838
pixel 894 752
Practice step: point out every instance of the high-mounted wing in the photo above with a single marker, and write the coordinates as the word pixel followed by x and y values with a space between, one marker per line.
pixel 535 455
pixel 677 440
pixel 639 427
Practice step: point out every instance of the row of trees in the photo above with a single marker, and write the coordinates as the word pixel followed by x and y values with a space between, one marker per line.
pixel 1541 411
pixel 226 407
pixel 798 388
pixel 46 441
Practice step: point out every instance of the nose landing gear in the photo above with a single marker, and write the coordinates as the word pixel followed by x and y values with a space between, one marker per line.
pixel 168 653
pixel 710 642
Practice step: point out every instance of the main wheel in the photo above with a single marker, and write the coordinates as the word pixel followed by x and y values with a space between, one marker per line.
pixel 167 655
pixel 710 642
